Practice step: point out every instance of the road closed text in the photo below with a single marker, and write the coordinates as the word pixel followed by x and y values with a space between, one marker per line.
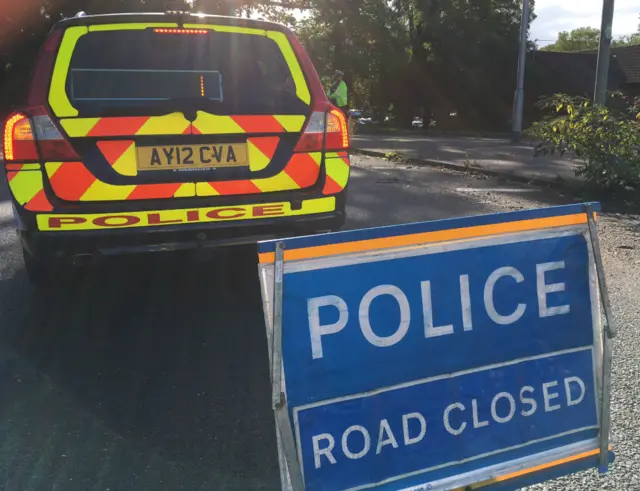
pixel 59 222
pixel 358 440
pixel 544 401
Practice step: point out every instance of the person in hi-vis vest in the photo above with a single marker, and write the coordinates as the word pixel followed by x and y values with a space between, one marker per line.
pixel 338 91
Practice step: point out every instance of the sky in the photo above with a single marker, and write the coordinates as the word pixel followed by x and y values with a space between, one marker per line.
pixel 555 16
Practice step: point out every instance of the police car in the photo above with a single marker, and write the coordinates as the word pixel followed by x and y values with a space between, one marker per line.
pixel 163 131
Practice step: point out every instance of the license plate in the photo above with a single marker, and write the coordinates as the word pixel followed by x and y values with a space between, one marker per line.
pixel 185 157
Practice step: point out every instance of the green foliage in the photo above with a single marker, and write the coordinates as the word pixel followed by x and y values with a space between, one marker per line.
pixel 588 38
pixel 393 156
pixel 401 58
pixel 583 38
pixel 631 40
pixel 606 140
pixel 420 57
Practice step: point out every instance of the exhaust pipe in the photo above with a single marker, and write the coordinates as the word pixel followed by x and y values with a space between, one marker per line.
pixel 82 259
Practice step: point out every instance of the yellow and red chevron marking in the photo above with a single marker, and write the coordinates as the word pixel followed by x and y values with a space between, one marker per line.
pixel 28 190
pixel 337 165
pixel 16 167
pixel 121 155
pixel 177 124
pixel 212 124
pixel 170 124
pixel 72 181
pixel 301 171
pixel 261 151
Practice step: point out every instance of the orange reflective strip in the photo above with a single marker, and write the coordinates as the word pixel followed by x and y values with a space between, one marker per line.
pixel 259 124
pixel 530 470
pixel 118 126
pixel 477 231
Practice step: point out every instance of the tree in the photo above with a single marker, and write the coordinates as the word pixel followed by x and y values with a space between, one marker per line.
pixel 405 57
pixel 631 40
pixel 581 39
pixel 588 38
pixel 365 39
pixel 468 53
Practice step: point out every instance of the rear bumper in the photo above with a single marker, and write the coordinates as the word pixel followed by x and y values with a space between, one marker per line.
pixel 60 244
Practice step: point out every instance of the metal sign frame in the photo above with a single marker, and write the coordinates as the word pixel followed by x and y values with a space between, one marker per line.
pixel 609 333
pixel 290 466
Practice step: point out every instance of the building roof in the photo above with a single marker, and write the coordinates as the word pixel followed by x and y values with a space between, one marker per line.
pixel 628 58
pixel 571 73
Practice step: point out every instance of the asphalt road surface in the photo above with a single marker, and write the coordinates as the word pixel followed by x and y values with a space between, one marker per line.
pixel 150 373
pixel 496 154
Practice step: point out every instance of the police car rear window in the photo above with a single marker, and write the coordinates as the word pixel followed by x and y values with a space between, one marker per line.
pixel 143 72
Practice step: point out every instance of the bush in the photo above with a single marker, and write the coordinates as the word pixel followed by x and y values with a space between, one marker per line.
pixel 606 140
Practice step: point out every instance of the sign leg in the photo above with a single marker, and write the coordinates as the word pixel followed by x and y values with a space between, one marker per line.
pixel 608 334
pixel 289 447
pixel 283 423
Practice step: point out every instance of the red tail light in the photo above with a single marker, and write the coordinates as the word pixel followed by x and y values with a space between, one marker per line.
pixel 53 146
pixel 325 131
pixel 337 131
pixel 19 143
pixel 327 127
pixel 21 134
pixel 312 138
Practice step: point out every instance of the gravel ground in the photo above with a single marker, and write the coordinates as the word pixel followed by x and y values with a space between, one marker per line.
pixel 151 374
pixel 619 237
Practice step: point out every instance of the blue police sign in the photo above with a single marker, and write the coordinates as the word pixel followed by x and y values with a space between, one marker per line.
pixel 440 354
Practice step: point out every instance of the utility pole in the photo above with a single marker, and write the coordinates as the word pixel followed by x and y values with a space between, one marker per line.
pixel 604 53
pixel 518 101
